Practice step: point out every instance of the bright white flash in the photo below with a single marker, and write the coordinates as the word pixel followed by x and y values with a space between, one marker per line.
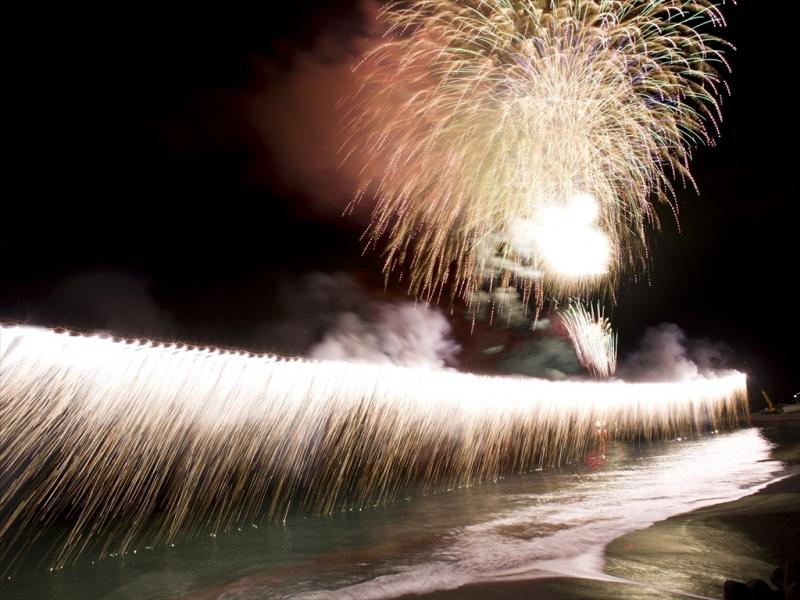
pixel 566 238
pixel 570 242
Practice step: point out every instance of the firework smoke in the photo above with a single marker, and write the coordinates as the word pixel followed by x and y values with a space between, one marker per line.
pixel 524 139
pixel 402 334
pixel 666 353
pixel 331 316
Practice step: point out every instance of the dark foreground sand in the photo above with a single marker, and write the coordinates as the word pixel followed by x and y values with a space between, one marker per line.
pixel 692 553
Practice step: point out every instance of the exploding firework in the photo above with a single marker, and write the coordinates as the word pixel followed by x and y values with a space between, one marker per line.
pixel 594 340
pixel 525 140
pixel 133 442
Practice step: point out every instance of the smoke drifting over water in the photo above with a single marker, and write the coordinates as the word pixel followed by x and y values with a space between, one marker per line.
pixel 666 353
pixel 331 316
pixel 400 334
pixel 106 299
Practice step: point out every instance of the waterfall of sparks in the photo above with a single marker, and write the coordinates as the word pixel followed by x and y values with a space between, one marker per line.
pixel 136 442
pixel 594 340
pixel 479 122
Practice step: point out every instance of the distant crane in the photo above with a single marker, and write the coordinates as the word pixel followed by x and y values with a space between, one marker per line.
pixel 770 406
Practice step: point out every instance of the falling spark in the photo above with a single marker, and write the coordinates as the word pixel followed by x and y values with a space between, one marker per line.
pixel 480 123
pixel 594 340
pixel 136 443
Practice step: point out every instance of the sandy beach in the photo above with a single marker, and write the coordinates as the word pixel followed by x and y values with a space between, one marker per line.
pixel 689 555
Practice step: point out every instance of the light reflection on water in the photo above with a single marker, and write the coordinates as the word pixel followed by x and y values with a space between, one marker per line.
pixel 534 525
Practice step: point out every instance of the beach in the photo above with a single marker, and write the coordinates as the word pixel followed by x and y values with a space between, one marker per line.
pixel 665 520
pixel 688 555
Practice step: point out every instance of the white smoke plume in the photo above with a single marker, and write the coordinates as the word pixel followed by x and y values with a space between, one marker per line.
pixel 400 334
pixel 331 316
pixel 666 353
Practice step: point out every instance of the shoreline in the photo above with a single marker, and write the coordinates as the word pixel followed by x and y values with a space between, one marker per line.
pixel 688 555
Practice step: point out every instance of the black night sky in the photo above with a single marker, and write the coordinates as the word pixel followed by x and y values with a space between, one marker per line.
pixel 184 161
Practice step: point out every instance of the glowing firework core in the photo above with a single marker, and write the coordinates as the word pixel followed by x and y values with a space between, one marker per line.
pixel 566 238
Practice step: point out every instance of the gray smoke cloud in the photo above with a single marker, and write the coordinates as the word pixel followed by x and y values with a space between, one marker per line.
pixel 331 316
pixel 105 299
pixel 666 353
pixel 548 357
pixel 400 334
pixel 536 347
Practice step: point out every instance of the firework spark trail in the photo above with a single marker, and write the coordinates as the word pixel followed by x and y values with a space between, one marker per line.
pixel 136 442
pixel 476 119
pixel 594 340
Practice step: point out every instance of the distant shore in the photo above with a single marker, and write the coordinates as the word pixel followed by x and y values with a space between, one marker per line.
pixel 693 553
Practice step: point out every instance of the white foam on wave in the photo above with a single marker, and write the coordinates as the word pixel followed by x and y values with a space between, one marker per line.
pixel 578 521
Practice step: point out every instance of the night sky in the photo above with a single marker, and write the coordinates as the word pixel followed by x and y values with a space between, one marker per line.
pixel 174 174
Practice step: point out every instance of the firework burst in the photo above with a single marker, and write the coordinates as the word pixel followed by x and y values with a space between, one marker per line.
pixel 594 340
pixel 526 140
pixel 133 443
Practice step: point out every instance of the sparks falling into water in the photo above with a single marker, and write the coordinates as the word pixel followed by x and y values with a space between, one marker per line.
pixel 477 121
pixel 136 442
pixel 594 340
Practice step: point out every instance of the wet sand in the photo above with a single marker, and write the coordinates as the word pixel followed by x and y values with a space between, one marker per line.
pixel 692 554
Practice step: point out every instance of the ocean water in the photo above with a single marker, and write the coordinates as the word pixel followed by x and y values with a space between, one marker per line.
pixel 535 525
